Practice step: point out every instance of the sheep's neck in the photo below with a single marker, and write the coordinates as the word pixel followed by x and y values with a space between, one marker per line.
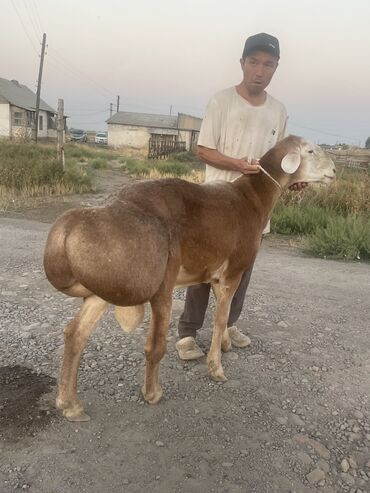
pixel 260 191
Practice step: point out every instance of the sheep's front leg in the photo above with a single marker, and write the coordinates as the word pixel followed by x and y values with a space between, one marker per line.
pixel 224 292
pixel 76 335
pixel 155 348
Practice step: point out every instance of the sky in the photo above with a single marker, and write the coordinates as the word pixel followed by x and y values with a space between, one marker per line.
pixel 169 56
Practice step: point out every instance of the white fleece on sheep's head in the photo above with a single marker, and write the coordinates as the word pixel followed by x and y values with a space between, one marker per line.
pixel 308 160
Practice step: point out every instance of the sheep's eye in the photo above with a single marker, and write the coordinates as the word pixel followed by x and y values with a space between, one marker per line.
pixel 310 152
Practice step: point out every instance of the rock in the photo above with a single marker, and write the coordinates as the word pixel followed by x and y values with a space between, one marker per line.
pixel 227 464
pixel 296 420
pixel 305 458
pixel 344 465
pixel 317 446
pixel 282 324
pixel 159 443
pixel 347 478
pixel 315 476
pixel 322 464
pixel 352 463
pixel 358 414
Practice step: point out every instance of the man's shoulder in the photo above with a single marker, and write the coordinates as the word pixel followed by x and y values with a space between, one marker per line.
pixel 224 95
pixel 276 104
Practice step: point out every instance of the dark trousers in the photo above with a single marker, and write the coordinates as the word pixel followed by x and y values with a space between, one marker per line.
pixel 196 303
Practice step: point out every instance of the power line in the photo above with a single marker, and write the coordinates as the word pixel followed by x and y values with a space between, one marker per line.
pixel 63 60
pixel 24 27
pixel 31 19
pixel 322 131
pixel 37 16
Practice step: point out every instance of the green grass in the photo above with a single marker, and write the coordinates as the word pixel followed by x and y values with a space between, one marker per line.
pixel 183 164
pixel 342 238
pixel 98 163
pixel 30 170
pixel 334 221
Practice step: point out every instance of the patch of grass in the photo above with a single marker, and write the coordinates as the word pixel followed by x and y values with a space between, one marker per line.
pixel 85 153
pixel 98 163
pixel 171 168
pixel 28 170
pixel 334 220
pixel 291 220
pixel 350 194
pixel 342 238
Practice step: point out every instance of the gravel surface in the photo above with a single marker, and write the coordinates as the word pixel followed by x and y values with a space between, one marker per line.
pixel 293 416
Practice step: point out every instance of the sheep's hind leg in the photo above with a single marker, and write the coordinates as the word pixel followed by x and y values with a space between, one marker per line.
pixel 76 335
pixel 156 342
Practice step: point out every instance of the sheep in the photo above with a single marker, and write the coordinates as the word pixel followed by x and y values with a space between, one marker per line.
pixel 154 236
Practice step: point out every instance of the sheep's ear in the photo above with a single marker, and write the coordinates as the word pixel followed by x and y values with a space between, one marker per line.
pixel 291 162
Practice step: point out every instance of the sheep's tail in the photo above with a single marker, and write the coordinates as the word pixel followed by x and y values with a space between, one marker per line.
pixel 129 317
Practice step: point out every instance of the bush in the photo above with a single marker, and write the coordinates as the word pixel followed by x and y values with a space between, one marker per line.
pixel 99 163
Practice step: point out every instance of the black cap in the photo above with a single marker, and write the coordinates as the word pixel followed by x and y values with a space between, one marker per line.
pixel 262 41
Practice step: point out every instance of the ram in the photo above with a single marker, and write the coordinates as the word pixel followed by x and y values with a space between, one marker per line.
pixel 153 236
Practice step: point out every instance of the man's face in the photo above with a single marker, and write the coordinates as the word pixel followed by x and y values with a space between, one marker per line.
pixel 258 69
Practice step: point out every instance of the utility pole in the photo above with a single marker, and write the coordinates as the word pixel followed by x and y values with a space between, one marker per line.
pixel 39 86
pixel 117 104
pixel 60 133
pixel 171 109
pixel 111 110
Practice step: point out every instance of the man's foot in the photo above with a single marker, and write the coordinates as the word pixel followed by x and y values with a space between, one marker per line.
pixel 238 339
pixel 188 349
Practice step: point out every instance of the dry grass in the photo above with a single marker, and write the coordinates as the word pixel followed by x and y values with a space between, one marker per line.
pixel 196 176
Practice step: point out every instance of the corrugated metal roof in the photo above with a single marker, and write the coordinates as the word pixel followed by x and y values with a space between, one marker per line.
pixel 19 95
pixel 143 120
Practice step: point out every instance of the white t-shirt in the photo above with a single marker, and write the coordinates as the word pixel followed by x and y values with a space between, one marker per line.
pixel 238 129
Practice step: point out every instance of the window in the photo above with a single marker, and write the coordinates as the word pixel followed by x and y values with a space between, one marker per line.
pixel 41 122
pixel 18 120
pixel 30 118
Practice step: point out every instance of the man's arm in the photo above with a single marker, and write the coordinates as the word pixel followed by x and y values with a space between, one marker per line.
pixel 214 158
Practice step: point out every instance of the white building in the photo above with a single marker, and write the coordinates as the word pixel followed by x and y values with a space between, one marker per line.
pixel 153 135
pixel 17 112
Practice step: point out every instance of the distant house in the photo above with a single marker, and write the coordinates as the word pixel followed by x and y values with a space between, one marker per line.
pixel 18 109
pixel 153 135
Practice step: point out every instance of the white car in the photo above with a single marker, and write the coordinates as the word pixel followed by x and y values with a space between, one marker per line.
pixel 101 138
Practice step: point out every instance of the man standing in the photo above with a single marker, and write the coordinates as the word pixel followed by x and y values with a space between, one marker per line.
pixel 241 124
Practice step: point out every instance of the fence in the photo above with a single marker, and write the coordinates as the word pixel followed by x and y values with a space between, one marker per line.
pixel 160 147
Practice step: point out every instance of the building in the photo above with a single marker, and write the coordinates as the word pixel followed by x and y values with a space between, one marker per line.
pixel 153 135
pixel 18 109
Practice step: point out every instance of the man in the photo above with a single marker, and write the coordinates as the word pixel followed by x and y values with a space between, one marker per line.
pixel 241 124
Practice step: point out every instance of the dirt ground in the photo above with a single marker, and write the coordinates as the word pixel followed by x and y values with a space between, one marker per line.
pixel 293 416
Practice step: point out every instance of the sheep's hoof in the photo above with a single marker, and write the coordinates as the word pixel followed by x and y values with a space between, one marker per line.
pixel 72 412
pixel 79 417
pixel 216 373
pixel 152 397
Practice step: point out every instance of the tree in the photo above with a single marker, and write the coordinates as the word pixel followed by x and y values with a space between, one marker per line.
pixel 367 143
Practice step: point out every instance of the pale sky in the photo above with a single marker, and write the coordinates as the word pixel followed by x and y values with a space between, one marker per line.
pixel 163 55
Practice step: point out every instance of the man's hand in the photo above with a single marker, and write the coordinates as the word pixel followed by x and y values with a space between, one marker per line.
pixel 247 166
pixel 297 187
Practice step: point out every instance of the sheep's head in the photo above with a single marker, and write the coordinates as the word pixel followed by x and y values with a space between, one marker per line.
pixel 295 160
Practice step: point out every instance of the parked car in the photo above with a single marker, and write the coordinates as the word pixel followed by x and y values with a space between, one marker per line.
pixel 101 138
pixel 78 135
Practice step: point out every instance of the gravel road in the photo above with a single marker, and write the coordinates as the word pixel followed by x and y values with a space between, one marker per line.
pixel 293 416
